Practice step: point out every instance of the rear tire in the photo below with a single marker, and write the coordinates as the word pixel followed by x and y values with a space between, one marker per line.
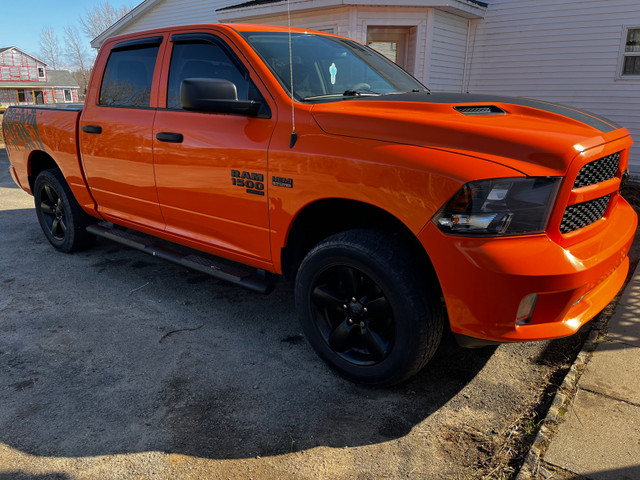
pixel 61 218
pixel 366 308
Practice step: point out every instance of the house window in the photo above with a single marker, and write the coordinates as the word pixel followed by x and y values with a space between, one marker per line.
pixel 21 97
pixel 67 96
pixel 40 72
pixel 392 42
pixel 631 54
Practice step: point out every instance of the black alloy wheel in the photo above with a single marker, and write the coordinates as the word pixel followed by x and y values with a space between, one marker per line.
pixel 353 315
pixel 61 218
pixel 53 213
pixel 367 309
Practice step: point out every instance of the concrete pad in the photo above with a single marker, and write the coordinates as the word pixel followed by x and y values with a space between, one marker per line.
pixel 624 326
pixel 599 439
pixel 614 370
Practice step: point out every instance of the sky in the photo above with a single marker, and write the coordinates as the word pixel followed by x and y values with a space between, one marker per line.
pixel 21 21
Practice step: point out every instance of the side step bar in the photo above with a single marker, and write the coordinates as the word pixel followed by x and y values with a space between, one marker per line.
pixel 219 268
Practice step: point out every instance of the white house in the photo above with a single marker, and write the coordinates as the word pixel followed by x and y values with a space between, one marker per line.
pixel 584 53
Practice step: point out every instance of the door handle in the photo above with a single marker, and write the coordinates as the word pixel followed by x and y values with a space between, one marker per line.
pixel 92 129
pixel 170 137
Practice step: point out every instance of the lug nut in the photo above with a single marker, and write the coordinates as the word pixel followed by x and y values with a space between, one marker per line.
pixel 349 321
pixel 362 324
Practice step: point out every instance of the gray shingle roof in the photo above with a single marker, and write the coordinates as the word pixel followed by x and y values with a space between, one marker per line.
pixel 55 78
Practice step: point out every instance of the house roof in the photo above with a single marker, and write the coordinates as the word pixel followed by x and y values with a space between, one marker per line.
pixel 123 22
pixel 55 78
pixel 253 3
pixel 145 5
pixel 4 49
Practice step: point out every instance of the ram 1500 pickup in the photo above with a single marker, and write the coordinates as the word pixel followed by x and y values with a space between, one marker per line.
pixel 398 211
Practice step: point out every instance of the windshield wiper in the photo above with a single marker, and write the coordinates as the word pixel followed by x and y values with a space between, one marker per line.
pixel 326 95
pixel 360 91
pixel 347 93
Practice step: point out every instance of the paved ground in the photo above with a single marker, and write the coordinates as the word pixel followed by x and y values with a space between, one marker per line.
pixel 116 365
pixel 599 437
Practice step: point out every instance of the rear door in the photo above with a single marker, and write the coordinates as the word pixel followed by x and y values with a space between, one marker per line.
pixel 211 168
pixel 116 133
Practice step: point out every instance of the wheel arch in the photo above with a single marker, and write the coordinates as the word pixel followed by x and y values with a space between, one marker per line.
pixel 38 162
pixel 326 217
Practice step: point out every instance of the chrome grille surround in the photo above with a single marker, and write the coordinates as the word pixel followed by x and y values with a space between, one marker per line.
pixel 598 171
pixel 583 214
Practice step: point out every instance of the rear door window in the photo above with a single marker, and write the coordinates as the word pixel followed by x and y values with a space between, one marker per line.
pixel 128 77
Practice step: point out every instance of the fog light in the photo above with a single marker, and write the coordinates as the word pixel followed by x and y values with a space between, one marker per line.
pixel 526 308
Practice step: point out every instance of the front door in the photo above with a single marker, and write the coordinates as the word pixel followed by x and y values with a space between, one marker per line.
pixel 210 168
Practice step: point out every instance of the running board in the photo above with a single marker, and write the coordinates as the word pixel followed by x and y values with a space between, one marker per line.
pixel 216 267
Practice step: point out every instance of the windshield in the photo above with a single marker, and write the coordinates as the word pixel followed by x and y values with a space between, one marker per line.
pixel 329 68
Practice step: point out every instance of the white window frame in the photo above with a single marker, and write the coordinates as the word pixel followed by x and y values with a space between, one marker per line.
pixel 623 54
pixel 64 95
pixel 44 75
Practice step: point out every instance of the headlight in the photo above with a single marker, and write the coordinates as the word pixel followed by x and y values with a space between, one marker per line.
pixel 499 206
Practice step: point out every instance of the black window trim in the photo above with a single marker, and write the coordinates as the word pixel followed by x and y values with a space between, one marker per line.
pixel 138 43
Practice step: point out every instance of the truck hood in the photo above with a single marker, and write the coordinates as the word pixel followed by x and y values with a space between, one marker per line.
pixel 533 137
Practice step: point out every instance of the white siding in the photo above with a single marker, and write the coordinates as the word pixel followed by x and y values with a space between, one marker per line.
pixel 176 12
pixel 561 51
pixel 448 51
pixel 335 20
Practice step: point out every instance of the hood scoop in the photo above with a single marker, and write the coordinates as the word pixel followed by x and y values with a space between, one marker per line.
pixel 480 110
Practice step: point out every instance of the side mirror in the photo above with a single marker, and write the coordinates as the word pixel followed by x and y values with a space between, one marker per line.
pixel 215 95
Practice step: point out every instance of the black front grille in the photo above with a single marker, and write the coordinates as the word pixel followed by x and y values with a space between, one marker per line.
pixel 582 214
pixel 598 171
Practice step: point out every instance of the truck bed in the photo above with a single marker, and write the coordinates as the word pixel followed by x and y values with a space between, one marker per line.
pixel 37 134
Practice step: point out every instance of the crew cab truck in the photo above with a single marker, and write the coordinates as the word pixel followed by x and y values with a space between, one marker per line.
pixel 398 211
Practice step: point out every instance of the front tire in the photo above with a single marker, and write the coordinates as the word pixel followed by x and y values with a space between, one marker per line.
pixel 61 218
pixel 366 308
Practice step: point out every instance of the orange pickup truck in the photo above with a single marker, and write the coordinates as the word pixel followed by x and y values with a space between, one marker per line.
pixel 251 152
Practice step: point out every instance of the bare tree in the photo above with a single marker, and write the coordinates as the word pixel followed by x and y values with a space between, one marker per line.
pixel 101 17
pixel 78 56
pixel 50 47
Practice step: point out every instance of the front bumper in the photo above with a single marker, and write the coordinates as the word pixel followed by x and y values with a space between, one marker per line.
pixel 483 280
